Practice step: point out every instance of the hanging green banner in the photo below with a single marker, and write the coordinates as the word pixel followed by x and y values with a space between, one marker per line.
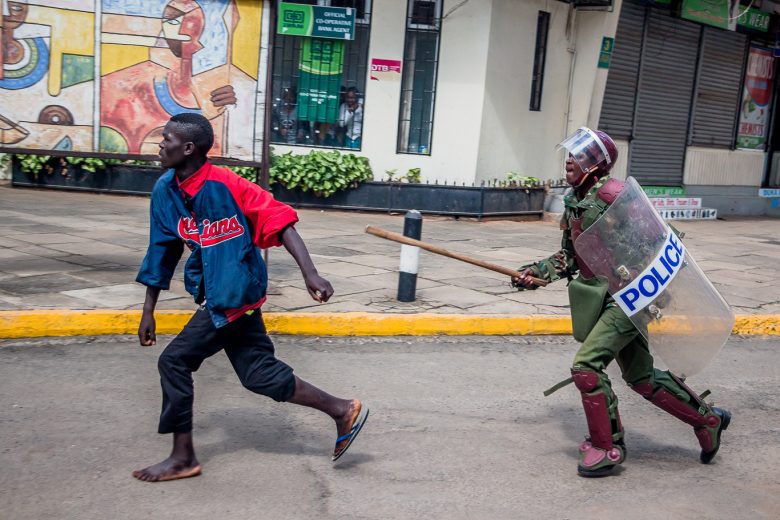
pixel 319 84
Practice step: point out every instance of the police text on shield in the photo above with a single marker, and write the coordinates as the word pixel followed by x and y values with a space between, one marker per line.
pixel 654 279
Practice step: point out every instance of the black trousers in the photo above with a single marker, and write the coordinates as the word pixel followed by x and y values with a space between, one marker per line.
pixel 249 349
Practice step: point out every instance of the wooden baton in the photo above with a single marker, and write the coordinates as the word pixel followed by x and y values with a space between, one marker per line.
pixel 397 237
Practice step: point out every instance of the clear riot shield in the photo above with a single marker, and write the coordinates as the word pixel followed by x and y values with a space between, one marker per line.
pixel 654 279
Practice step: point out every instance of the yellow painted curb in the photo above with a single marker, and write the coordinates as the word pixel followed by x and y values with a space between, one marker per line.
pixel 38 323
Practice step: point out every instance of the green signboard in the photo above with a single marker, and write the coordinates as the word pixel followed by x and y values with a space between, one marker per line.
pixel 710 12
pixel 605 55
pixel 664 191
pixel 754 20
pixel 317 21
pixel 725 14
pixel 319 84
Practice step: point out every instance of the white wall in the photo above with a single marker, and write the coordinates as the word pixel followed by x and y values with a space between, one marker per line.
pixel 460 90
pixel 513 137
pixel 589 80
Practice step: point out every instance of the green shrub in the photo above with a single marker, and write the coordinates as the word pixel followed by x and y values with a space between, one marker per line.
pixel 33 164
pixel 36 164
pixel 324 173
pixel 516 180
pixel 91 164
pixel 413 175
pixel 247 172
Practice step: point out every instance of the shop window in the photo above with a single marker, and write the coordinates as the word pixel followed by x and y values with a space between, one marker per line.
pixel 418 83
pixel 318 84
pixel 540 56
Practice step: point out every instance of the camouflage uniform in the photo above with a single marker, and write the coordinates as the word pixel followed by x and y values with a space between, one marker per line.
pixel 607 333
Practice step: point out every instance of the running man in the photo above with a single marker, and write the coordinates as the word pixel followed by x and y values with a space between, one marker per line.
pixel 224 220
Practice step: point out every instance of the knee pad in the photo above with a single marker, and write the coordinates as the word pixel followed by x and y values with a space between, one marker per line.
pixel 585 380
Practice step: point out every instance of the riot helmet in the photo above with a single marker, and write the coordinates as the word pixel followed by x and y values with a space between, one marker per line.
pixel 594 152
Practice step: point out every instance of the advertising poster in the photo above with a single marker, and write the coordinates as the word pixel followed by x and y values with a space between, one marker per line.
pixel 321 65
pixel 756 99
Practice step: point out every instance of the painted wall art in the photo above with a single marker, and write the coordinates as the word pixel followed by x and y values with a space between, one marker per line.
pixel 104 76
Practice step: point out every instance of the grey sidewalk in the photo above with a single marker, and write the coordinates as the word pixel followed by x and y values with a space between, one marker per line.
pixel 81 251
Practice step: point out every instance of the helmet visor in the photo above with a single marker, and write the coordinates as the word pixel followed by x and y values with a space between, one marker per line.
pixel 586 149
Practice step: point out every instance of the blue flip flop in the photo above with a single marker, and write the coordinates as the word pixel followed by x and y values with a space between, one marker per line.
pixel 352 434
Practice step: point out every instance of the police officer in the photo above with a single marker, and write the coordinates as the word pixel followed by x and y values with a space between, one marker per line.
pixel 603 328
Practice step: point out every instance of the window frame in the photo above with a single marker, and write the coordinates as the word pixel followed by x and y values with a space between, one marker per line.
pixel 420 26
pixel 540 61
pixel 412 28
pixel 366 20
pixel 366 24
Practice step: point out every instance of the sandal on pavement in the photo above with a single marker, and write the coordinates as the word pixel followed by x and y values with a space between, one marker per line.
pixel 345 441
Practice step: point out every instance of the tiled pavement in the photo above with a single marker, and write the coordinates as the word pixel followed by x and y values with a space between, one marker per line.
pixel 81 251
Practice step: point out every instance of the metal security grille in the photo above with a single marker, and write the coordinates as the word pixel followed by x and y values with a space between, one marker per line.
pixel 663 104
pixel 324 109
pixel 671 84
pixel 717 97
pixel 418 83
pixel 540 56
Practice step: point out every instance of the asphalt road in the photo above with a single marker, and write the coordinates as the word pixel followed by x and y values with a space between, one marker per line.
pixel 458 429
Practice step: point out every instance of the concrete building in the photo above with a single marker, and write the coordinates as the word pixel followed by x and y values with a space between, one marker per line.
pixel 482 127
pixel 466 91
pixel 488 87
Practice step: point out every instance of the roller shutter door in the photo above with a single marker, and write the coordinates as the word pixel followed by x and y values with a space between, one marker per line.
pixel 717 98
pixel 617 110
pixel 663 105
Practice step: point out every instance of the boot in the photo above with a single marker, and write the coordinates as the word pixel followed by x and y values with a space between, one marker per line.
pixel 708 422
pixel 604 448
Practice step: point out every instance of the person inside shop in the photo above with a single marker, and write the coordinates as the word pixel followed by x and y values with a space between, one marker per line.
pixel 285 124
pixel 351 118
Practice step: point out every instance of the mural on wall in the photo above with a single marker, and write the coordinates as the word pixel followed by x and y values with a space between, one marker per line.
pixel 156 58
pixel 47 74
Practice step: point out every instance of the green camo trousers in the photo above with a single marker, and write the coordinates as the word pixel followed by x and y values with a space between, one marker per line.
pixel 615 337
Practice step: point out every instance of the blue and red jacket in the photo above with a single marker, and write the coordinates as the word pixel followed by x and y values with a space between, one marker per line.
pixel 223 219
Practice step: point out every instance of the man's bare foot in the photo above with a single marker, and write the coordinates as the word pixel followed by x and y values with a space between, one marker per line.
pixel 348 426
pixel 169 469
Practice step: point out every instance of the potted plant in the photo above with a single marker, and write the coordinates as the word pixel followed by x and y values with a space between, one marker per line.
pixel 84 173
pixel 94 174
pixel 339 181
